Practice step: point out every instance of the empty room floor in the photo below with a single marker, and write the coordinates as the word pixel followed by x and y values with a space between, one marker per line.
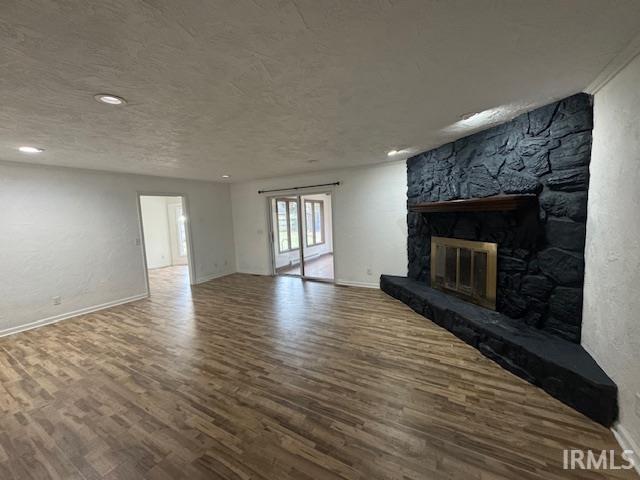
pixel 321 267
pixel 272 378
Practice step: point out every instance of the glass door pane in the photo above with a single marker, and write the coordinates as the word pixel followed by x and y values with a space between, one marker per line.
pixel 317 246
pixel 286 235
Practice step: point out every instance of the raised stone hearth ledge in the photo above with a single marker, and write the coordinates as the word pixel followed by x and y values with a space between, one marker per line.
pixel 561 368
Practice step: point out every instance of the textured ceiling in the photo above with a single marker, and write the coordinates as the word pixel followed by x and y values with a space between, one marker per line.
pixel 262 88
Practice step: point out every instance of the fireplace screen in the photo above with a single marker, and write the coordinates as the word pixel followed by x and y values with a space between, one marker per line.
pixel 466 269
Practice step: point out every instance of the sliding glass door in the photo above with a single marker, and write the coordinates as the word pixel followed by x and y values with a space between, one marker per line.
pixel 302 236
pixel 286 232
pixel 317 244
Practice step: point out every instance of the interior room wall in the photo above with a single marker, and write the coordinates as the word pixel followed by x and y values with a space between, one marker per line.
pixel 156 231
pixel 75 234
pixel 369 215
pixel 611 325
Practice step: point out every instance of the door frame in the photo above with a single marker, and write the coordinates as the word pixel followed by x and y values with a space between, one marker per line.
pixel 187 228
pixel 271 239
pixel 174 234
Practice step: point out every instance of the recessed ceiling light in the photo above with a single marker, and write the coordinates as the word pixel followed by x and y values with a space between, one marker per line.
pixel 27 149
pixel 226 176
pixel 109 99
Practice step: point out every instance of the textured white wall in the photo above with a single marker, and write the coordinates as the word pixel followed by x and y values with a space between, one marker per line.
pixel 157 243
pixel 72 233
pixel 611 320
pixel 369 215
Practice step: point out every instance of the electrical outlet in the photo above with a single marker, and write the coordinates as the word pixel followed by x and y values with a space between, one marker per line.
pixel 137 242
pixel 638 404
pixel 56 300
pixel 369 272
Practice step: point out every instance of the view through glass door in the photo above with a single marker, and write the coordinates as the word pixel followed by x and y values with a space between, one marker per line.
pixel 317 242
pixel 286 232
pixel 303 236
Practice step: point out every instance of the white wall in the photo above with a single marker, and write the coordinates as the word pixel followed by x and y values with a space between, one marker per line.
pixel 369 214
pixel 157 243
pixel 72 233
pixel 611 319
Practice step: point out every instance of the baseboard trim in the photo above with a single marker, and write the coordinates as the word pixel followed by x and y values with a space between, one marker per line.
pixel 262 274
pixel 213 276
pixel 346 283
pixel 65 316
pixel 627 443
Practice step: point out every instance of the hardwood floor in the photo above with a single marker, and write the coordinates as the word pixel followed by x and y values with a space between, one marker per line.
pixel 321 267
pixel 249 377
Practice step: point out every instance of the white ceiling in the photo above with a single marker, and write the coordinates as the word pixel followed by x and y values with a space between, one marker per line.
pixel 262 88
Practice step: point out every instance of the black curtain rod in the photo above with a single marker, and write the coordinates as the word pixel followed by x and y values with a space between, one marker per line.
pixel 298 188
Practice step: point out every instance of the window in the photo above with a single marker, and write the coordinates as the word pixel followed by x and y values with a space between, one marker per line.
pixel 314 216
pixel 287 213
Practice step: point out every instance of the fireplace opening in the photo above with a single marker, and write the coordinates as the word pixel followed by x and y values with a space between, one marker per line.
pixel 465 268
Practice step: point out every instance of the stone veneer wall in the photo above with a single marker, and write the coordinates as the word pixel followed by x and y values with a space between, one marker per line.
pixel 540 253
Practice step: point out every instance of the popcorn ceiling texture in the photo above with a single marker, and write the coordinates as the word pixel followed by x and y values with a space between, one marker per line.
pixel 257 89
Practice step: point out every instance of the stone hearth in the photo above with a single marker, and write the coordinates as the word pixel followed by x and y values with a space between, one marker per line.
pixel 542 157
pixel 563 369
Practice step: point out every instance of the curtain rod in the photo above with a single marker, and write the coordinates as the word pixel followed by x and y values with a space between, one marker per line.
pixel 298 188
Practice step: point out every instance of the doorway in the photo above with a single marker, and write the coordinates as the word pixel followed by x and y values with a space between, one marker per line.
pixel 165 240
pixel 302 233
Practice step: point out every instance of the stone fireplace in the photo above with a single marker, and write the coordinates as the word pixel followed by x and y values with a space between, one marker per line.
pixel 522 188
pixel 544 154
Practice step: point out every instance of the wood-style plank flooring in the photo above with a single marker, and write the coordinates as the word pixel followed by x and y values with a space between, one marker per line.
pixel 249 377
pixel 321 267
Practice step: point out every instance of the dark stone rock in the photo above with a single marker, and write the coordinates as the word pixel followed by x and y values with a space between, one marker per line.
pixel 559 161
pixel 514 162
pixel 562 368
pixel 560 204
pixel 566 124
pixel 565 233
pixel 540 119
pixel 566 305
pixel 511 264
pixel 574 151
pixel 513 182
pixel 566 268
pixel 513 304
pixel 569 180
pixel 481 183
pixel 562 330
pixel 443 152
pixel 580 102
pixel 494 164
pixel 574 115
pixel 538 164
pixel 533 145
pixel 546 152
pixel 537 286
